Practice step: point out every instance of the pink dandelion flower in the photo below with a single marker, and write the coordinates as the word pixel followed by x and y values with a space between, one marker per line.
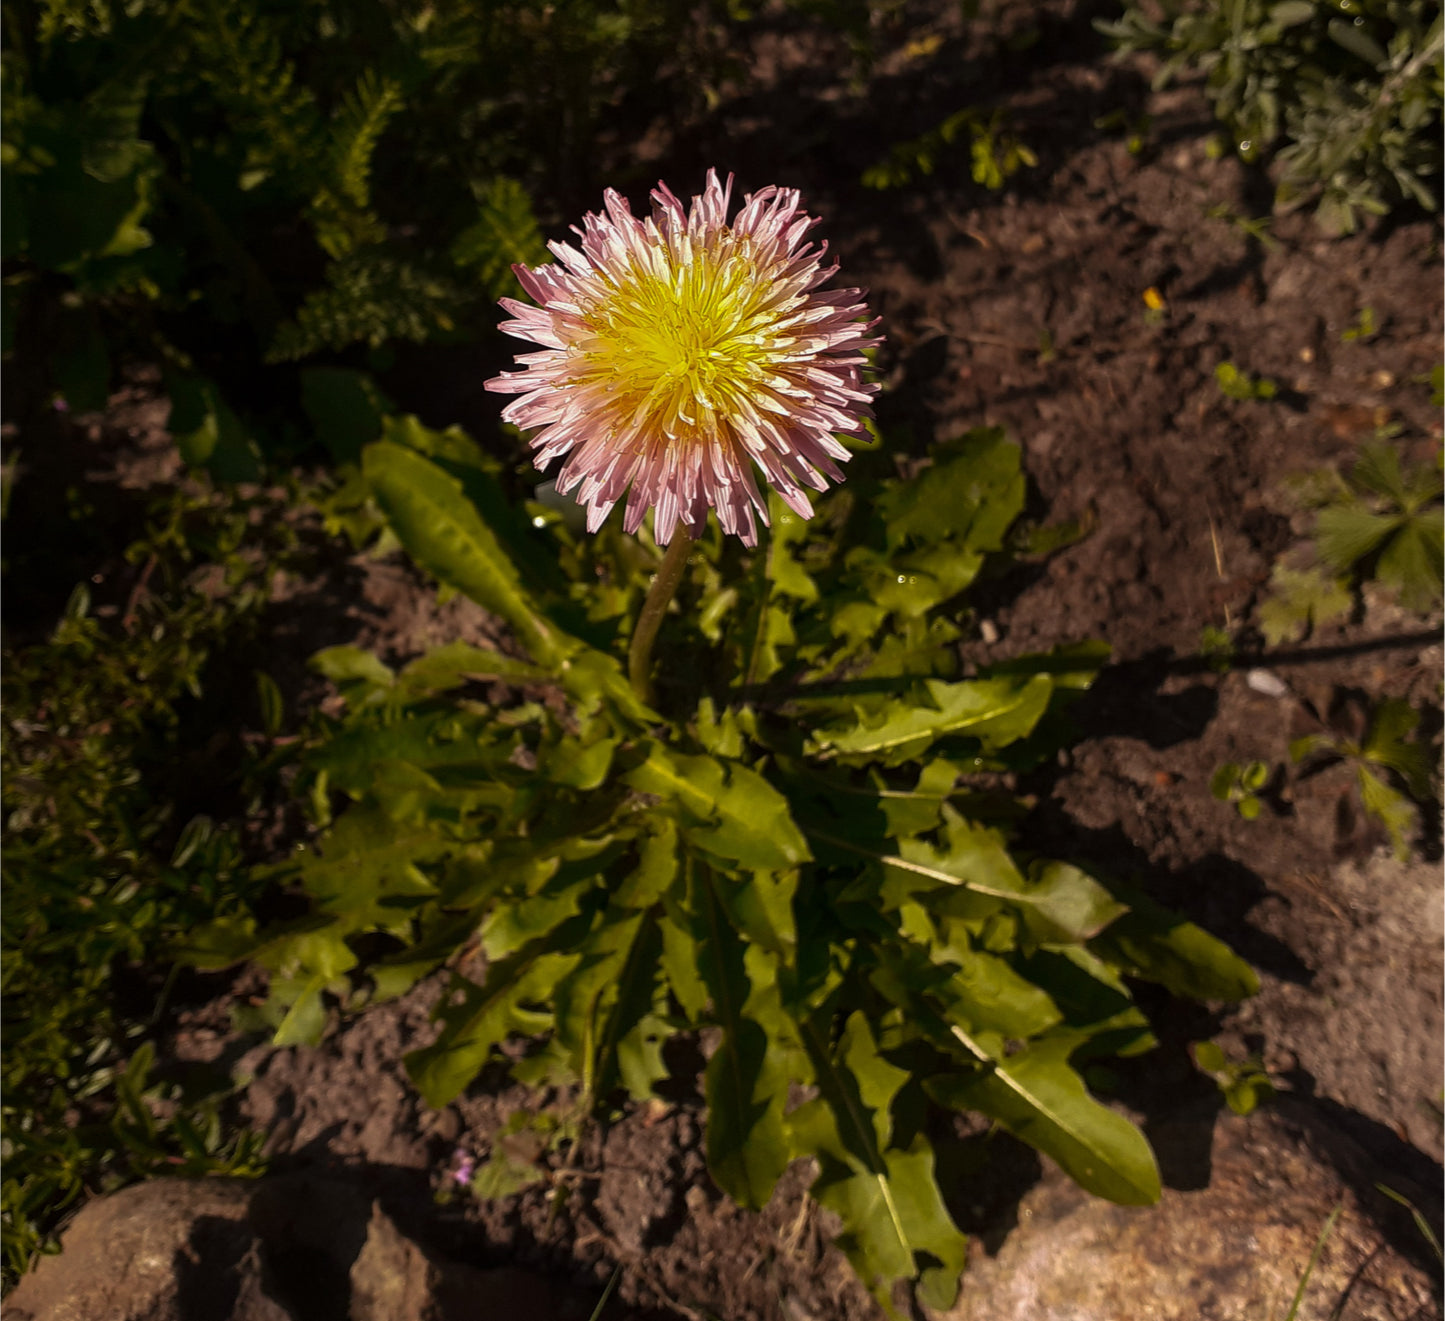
pixel 680 351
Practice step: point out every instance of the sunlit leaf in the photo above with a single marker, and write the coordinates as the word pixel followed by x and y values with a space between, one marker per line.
pixel 656 867
pixel 511 927
pixel 1058 902
pixel 508 1002
pixel 366 863
pixel 996 711
pixel 894 1222
pixel 455 663
pixel 1039 1098
pixel 726 809
pixel 1160 946
pixel 607 994
pixel 971 494
pixel 988 993
pixel 1390 808
pixel 445 534
pixel 1301 600
pixel 785 574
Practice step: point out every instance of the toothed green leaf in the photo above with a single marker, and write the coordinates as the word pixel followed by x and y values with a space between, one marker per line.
pixel 995 711
pixel 1039 1098
pixel 445 534
pixel 747 1146
pixel 724 808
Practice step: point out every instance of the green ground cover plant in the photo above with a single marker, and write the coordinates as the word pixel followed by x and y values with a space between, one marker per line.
pixel 1395 770
pixel 1241 786
pixel 1383 521
pixel 1343 95
pixel 995 153
pixel 1243 1083
pixel 806 846
pixel 1237 384
pixel 227 188
pixel 104 871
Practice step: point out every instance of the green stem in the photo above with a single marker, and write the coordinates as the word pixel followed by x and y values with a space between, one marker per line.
pixel 659 597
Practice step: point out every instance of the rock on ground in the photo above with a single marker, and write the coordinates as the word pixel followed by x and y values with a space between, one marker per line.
pixel 289 1248
pixel 1231 1247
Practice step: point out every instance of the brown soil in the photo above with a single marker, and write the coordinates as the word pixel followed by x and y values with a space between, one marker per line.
pixel 1024 309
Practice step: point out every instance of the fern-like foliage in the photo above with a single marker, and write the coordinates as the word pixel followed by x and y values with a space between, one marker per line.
pixel 240 55
pixel 70 19
pixel 504 234
pixel 173 160
pixel 341 210
pixel 370 296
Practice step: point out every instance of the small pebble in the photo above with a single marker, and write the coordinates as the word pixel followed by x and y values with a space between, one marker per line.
pixel 987 631
pixel 1271 685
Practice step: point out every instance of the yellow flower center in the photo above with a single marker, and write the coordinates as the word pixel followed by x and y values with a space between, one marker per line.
pixel 680 343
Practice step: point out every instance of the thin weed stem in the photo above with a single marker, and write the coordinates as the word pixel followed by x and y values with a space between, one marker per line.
pixel 1299 1294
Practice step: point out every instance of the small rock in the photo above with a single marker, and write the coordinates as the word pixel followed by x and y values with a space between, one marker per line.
pixel 162 1251
pixel 287 1248
pixel 1233 1249
pixel 1263 681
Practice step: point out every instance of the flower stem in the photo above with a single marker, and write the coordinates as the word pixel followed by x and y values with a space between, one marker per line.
pixel 659 597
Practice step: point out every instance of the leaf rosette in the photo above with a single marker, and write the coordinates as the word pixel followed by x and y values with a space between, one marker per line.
pixel 805 851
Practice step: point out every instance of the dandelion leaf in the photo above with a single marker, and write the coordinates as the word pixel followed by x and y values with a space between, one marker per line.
pixel 994 711
pixel 508 1002
pixel 1151 942
pixel 894 1221
pixel 747 1144
pixel 1041 1100
pixel 617 967
pixel 442 530
pixel 725 809
pixel 970 495
pixel 1059 903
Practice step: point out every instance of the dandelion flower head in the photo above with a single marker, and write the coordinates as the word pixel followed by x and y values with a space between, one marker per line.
pixel 679 351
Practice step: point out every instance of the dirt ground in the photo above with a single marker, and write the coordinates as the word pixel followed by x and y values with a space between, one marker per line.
pixel 1025 309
